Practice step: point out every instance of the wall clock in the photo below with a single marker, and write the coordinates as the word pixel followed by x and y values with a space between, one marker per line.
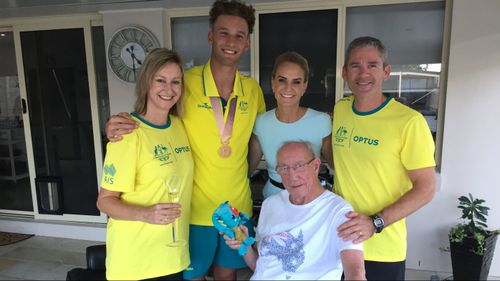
pixel 127 50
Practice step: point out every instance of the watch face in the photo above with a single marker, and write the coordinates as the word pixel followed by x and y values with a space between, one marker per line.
pixel 127 50
pixel 378 222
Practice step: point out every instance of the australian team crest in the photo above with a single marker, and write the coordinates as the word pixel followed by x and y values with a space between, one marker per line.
pixel 243 105
pixel 161 153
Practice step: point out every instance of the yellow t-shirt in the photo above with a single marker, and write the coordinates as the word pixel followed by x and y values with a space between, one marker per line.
pixel 218 179
pixel 372 152
pixel 137 167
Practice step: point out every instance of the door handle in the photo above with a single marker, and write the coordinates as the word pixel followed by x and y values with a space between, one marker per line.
pixel 23 104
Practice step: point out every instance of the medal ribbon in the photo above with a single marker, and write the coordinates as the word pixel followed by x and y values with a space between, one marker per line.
pixel 224 129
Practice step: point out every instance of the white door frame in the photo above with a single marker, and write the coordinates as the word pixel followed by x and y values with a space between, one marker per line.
pixel 83 22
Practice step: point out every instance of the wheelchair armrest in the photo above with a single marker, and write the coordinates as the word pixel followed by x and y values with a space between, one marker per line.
pixel 96 257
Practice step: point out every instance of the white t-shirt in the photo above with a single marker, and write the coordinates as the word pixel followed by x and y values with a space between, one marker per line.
pixel 300 242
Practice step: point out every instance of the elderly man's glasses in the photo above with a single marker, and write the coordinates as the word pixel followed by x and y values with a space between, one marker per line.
pixel 297 167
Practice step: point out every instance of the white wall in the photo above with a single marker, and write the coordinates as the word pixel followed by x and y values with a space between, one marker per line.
pixel 96 232
pixel 471 147
pixel 121 94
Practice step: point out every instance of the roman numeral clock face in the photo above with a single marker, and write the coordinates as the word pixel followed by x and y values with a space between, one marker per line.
pixel 127 50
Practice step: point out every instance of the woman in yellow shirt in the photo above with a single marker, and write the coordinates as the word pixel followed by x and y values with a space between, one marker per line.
pixel 136 175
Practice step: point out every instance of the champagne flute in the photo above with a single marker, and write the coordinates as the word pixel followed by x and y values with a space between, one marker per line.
pixel 173 185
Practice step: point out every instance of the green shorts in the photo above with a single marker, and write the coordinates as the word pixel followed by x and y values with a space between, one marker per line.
pixel 207 247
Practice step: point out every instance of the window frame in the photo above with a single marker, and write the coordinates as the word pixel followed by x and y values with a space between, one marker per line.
pixel 341 6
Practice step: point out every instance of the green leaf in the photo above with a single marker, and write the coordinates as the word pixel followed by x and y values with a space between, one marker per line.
pixel 463 200
pixel 480 217
pixel 471 198
pixel 482 224
pixel 483 209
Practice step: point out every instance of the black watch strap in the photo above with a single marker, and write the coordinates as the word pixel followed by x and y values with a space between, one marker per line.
pixel 378 223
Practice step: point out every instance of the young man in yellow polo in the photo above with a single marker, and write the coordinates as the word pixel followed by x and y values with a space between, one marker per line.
pixel 220 148
pixel 383 154
pixel 220 108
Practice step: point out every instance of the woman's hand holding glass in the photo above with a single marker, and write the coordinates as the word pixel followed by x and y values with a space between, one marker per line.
pixel 163 213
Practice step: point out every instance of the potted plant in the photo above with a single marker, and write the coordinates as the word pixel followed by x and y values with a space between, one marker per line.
pixel 471 244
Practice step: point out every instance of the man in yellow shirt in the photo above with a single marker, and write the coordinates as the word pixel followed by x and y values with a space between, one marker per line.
pixel 219 144
pixel 384 161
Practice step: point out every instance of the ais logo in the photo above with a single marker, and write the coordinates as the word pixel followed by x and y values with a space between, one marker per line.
pixel 109 173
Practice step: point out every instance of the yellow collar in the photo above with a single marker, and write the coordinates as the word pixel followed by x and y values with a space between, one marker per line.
pixel 209 87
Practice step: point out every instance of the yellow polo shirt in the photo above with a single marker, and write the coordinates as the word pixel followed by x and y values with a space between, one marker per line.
pixel 218 179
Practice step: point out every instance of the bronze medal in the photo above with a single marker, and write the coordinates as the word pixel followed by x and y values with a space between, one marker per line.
pixel 224 150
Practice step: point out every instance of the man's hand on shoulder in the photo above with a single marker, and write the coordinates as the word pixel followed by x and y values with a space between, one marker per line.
pixel 118 125
pixel 358 228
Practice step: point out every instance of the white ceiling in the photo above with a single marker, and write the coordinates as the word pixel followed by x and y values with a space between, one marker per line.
pixel 24 8
pixel 12 4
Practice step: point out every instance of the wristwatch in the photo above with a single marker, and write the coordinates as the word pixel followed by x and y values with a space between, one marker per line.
pixel 378 222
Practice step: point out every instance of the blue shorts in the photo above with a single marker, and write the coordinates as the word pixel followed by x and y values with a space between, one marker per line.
pixel 207 247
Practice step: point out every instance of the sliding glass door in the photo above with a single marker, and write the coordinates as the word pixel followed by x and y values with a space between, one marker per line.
pixel 15 189
pixel 61 120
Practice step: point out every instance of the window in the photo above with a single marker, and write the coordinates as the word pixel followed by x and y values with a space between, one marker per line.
pixel 190 40
pixel 413 35
pixel 294 31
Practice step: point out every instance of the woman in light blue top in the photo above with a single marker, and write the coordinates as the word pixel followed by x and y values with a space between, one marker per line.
pixel 288 121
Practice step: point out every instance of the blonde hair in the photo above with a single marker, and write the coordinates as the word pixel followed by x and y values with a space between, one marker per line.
pixel 155 60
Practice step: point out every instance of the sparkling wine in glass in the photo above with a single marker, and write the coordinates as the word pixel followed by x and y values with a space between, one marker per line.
pixel 173 185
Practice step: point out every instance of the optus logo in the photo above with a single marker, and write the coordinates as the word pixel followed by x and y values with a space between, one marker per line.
pixel 365 140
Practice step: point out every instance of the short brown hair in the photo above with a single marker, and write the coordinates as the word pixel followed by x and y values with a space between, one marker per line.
pixel 155 60
pixel 292 57
pixel 366 41
pixel 233 8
